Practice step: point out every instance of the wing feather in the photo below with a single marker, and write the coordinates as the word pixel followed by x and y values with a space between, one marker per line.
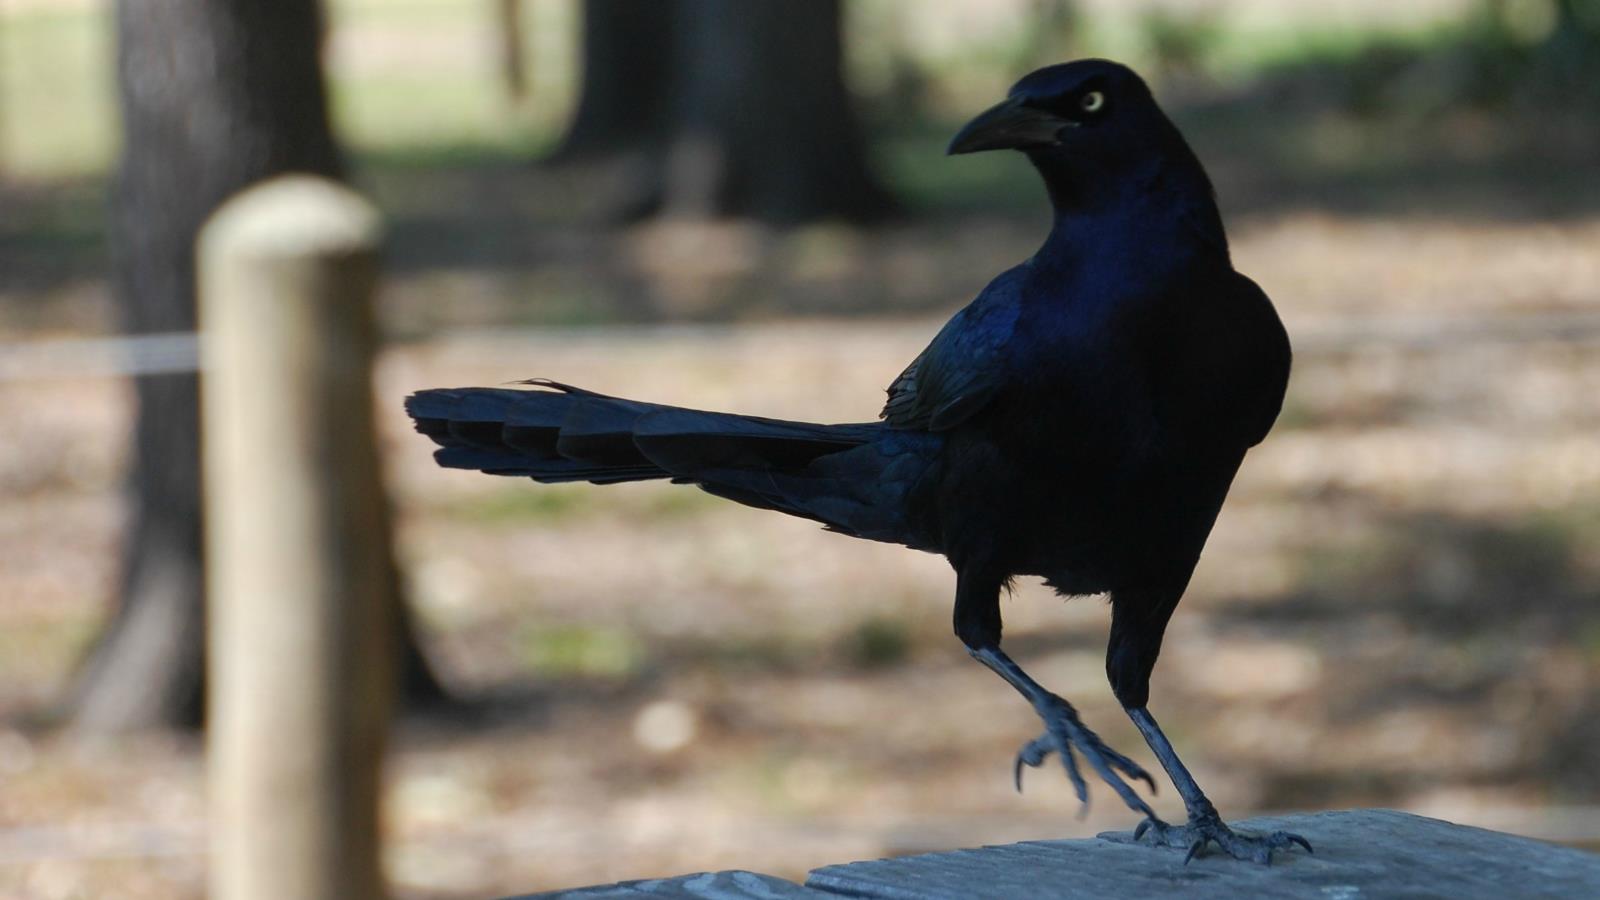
pixel 961 370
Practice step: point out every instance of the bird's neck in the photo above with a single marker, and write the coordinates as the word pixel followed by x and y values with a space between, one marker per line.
pixel 1163 208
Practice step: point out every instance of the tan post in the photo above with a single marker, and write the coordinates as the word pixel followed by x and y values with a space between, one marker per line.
pixel 298 543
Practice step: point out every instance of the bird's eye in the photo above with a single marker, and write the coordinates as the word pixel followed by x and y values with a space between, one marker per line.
pixel 1094 101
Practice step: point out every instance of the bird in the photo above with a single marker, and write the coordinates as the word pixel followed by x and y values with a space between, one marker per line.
pixel 1081 421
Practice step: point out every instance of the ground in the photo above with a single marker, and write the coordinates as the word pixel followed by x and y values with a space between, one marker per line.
pixel 1397 608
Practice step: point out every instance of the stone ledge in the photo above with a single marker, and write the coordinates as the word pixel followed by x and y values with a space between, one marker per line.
pixel 1367 853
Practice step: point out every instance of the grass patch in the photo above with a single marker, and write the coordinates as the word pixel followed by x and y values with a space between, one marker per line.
pixel 524 503
pixel 678 502
pixel 878 642
pixel 770 652
pixel 415 80
pixel 418 80
pixel 36 649
pixel 466 121
pixel 580 650
pixel 57 106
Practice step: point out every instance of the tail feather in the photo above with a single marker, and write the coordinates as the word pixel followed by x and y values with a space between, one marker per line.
pixel 687 439
pixel 506 431
pixel 600 430
pixel 852 478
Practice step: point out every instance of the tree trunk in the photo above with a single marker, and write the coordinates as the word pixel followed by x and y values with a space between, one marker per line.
pixel 513 61
pixel 735 108
pixel 215 94
pixel 1571 40
pixel 625 101
pixel 764 124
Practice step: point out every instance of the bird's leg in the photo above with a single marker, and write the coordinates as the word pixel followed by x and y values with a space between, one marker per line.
pixel 1138 620
pixel 1205 826
pixel 1063 734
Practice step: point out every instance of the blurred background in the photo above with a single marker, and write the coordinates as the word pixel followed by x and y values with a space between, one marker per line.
pixel 1400 605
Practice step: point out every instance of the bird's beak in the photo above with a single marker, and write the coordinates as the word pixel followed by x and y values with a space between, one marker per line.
pixel 1008 126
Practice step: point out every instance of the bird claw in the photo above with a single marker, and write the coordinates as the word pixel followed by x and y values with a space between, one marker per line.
pixel 1063 734
pixel 1147 824
pixel 1032 755
pixel 1202 832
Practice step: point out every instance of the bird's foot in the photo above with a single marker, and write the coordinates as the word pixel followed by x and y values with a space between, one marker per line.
pixel 1064 733
pixel 1206 830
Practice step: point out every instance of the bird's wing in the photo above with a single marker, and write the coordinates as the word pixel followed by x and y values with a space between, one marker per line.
pixel 1224 363
pixel 1269 355
pixel 959 372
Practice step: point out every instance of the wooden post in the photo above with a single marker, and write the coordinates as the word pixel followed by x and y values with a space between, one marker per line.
pixel 297 535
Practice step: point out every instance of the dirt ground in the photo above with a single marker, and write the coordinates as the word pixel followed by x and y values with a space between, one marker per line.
pixel 1400 605
pixel 1397 608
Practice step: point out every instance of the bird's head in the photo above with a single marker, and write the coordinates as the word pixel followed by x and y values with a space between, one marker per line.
pixel 1087 125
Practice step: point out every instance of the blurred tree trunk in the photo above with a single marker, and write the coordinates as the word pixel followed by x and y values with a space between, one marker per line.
pixel 764 121
pixel 513 61
pixel 214 95
pixel 1571 37
pixel 625 98
pixel 739 109
pixel 1568 19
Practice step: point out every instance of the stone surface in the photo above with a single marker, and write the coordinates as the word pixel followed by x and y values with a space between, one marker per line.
pixel 731 885
pixel 1359 854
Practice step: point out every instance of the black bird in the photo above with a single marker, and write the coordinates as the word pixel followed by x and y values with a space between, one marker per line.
pixel 1081 420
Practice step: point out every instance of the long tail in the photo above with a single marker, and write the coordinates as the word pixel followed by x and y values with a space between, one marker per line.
pixel 855 479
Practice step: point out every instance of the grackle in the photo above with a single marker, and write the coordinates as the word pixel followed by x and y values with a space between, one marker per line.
pixel 1081 420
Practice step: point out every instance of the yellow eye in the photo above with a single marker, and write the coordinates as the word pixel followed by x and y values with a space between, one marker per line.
pixel 1094 101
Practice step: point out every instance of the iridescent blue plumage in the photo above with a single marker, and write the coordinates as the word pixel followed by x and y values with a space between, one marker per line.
pixel 1081 420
